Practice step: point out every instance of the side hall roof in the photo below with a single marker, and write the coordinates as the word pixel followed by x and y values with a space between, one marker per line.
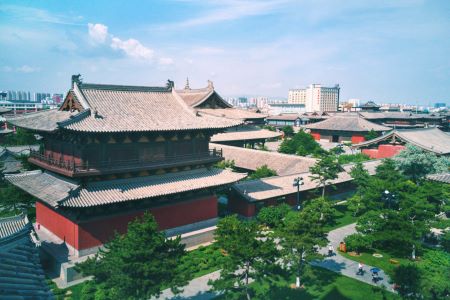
pixel 59 191
pixel 117 108
pixel 429 139
pixel 195 97
pixel 352 123
pixel 232 113
pixel 279 186
pixel 251 159
pixel 244 133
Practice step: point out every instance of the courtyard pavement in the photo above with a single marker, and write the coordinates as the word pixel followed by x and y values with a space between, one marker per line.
pixel 198 288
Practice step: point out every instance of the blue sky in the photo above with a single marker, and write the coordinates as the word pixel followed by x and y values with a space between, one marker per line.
pixel 387 51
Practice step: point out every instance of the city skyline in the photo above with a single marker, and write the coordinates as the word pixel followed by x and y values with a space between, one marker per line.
pixel 376 50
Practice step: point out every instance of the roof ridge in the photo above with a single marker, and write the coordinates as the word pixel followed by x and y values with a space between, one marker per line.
pixel 125 88
pixel 21 216
pixel 75 118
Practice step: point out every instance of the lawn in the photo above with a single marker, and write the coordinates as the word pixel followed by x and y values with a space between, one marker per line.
pixel 341 217
pixel 382 263
pixel 321 284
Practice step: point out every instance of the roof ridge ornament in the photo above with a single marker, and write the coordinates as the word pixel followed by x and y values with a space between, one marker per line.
pixel 76 79
pixel 170 85
pixel 210 84
pixel 187 87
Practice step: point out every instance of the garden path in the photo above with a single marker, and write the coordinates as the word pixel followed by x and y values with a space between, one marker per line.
pixel 347 267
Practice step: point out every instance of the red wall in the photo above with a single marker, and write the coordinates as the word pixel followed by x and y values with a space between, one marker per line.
pixel 95 233
pixel 356 139
pixel 316 135
pixel 384 151
pixel 59 225
pixel 241 207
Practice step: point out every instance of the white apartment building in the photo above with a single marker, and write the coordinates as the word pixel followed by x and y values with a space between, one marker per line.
pixel 316 97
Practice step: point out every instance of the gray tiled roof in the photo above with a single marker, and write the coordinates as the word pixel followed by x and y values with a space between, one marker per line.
pixel 397 115
pixel 21 274
pixel 251 159
pixel 232 113
pixel 4 110
pixel 116 108
pixel 194 97
pixel 445 177
pixel 45 120
pixel 430 139
pixel 12 225
pixel 284 117
pixel 244 133
pixel 46 186
pixel 56 190
pixel 272 187
pixel 347 123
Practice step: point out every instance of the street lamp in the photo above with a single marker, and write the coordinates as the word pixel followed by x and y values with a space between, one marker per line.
pixel 298 182
pixel 388 197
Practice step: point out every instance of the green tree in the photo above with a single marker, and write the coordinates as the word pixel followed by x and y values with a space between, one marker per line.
pixel 372 134
pixel 361 178
pixel 20 137
pixel 300 235
pixel 263 172
pixel 273 216
pixel 250 255
pixel 13 199
pixel 435 269
pixel 288 130
pixel 302 144
pixel 225 164
pixel 138 264
pixel 416 163
pixel 352 158
pixel 324 171
pixel 408 280
pixel 358 242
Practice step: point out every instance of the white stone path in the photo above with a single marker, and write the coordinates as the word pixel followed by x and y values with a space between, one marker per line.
pixel 198 288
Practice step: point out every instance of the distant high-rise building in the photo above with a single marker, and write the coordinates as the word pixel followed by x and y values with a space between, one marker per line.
pixel 316 97
pixel 439 105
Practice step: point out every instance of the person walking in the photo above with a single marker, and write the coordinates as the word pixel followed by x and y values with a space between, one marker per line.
pixel 330 250
pixel 360 269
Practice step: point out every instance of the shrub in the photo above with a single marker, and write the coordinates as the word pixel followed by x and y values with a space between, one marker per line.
pixel 273 216
pixel 358 242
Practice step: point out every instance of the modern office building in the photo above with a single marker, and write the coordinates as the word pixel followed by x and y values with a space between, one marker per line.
pixel 316 97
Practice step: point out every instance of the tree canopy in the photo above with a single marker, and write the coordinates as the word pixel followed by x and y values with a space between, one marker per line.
pixel 138 264
pixel 262 172
pixel 249 255
pixel 416 163
pixel 325 170
pixel 301 143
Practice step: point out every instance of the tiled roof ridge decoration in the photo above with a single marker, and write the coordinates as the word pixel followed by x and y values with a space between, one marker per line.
pixel 58 191
pixel 124 88
pixel 431 139
pixel 75 118
pixel 205 93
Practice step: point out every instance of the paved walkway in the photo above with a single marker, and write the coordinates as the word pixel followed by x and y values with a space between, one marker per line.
pixel 198 288
pixel 345 266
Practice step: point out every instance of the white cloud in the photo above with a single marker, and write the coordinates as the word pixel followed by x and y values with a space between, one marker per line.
pixel 27 69
pixel 98 32
pixel 132 48
pixel 166 61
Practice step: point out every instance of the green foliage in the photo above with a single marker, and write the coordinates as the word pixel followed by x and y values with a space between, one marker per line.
pixel 352 158
pixel 288 131
pixel 358 242
pixel 408 280
pixel 273 216
pixel 325 170
pixel 301 143
pixel 445 241
pixel 416 163
pixel 435 270
pixel 302 232
pixel 138 264
pixel 372 134
pixel 14 199
pixel 225 164
pixel 338 150
pixel 263 172
pixel 249 254
pixel 268 127
pixel 19 138
pixel 201 261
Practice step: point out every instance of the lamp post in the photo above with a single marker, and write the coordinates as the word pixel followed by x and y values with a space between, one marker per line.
pixel 388 197
pixel 298 182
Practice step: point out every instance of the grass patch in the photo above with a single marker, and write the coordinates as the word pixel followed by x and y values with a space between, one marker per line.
pixel 382 263
pixel 70 293
pixel 320 284
pixel 342 217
